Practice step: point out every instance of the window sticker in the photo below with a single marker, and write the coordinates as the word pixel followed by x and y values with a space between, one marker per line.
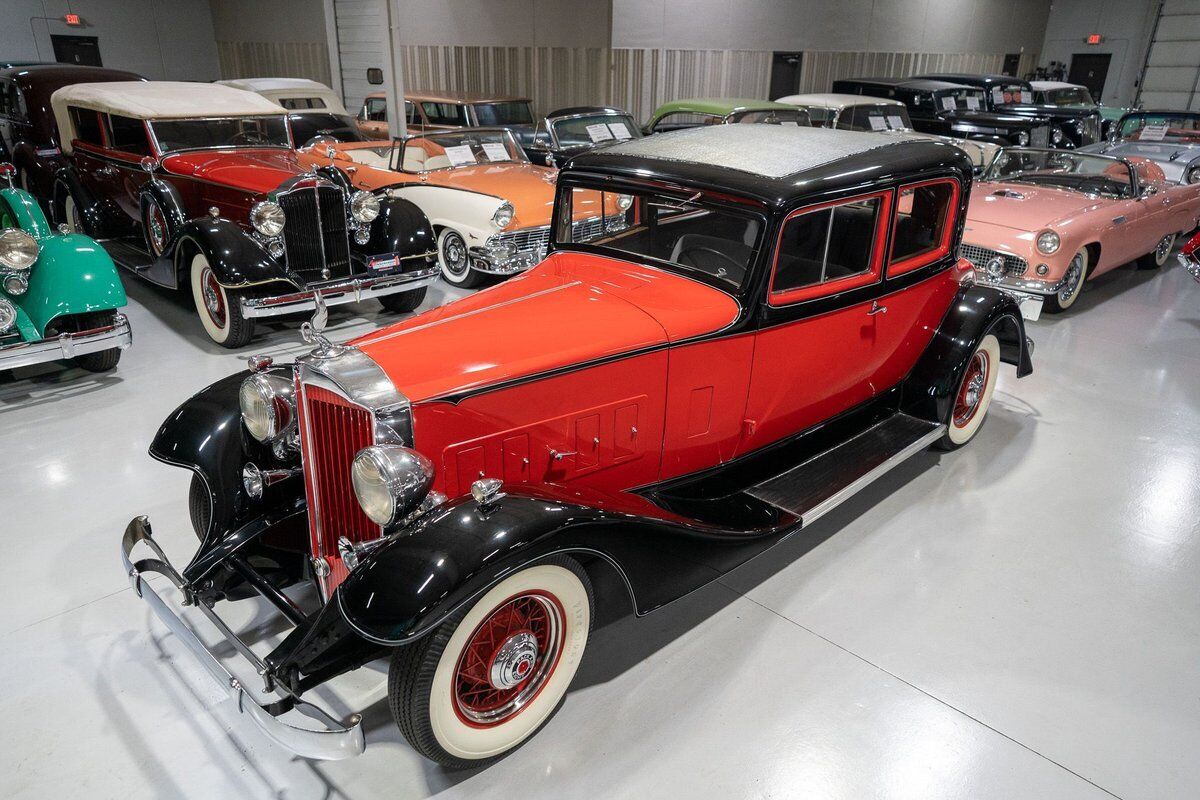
pixel 997 95
pixel 460 155
pixel 496 151
pixel 1026 96
pixel 948 103
pixel 895 122
pixel 599 132
pixel 973 103
pixel 1153 133
pixel 877 123
pixel 619 130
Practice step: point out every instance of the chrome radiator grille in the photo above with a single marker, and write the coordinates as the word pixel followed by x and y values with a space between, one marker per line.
pixel 1039 136
pixel 332 431
pixel 979 256
pixel 539 238
pixel 316 236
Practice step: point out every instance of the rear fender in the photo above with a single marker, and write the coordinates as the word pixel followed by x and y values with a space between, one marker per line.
pixel 928 392
pixel 73 275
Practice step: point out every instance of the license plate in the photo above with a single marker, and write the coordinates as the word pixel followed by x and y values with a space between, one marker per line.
pixel 1040 137
pixel 380 263
pixel 1031 306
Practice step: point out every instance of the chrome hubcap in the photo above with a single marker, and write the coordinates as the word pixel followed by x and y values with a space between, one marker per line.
pixel 514 660
pixel 455 254
pixel 1072 279
pixel 1164 248
pixel 974 390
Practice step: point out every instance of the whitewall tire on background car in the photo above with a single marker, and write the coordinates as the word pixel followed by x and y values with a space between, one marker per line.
pixel 491 675
pixel 974 394
pixel 219 308
pixel 455 261
pixel 1159 255
pixel 1076 274
pixel 71 215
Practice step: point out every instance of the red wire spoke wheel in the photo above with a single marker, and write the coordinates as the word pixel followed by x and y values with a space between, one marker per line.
pixel 974 394
pixel 971 392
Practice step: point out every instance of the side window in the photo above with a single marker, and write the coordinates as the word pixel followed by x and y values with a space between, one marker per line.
pixel 11 105
pixel 295 103
pixel 821 117
pixel 829 249
pixel 410 113
pixel 127 135
pixel 445 113
pixel 87 125
pixel 376 109
pixel 924 224
pixel 685 119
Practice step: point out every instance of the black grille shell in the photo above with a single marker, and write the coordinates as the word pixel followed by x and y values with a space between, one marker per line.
pixel 316 237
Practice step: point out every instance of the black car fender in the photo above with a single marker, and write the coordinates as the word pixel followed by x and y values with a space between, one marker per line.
pixel 401 229
pixel 234 256
pixel 167 197
pixel 928 391
pixel 89 209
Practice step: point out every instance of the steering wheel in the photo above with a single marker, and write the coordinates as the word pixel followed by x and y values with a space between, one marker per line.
pixel 248 137
pixel 700 248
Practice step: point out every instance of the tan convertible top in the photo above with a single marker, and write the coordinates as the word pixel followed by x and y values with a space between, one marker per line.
pixel 156 100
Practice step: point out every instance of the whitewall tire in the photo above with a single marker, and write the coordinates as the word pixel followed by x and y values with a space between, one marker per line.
pixel 455 260
pixel 71 215
pixel 973 395
pixel 1073 279
pixel 1157 257
pixel 219 308
pixel 492 675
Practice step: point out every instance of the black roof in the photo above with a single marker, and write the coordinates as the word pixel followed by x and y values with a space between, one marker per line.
pixel 63 74
pixel 981 79
pixel 576 110
pixel 916 84
pixel 771 163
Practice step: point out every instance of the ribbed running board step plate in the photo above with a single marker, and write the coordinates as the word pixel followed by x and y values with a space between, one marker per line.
pixel 814 488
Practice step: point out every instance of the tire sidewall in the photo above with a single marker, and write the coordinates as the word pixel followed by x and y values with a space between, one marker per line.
pixel 444 238
pixel 959 435
pixel 1158 262
pixel 197 266
pixel 470 743
pixel 1064 305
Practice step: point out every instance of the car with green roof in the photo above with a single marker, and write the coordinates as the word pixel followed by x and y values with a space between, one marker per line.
pixel 59 292
pixel 697 111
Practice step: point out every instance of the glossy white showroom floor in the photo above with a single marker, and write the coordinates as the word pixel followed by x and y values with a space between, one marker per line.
pixel 1020 618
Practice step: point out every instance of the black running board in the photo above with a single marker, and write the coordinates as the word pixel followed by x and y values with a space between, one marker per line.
pixel 139 262
pixel 815 487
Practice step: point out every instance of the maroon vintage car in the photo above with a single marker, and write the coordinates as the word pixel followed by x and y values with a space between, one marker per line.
pixel 29 137
pixel 196 186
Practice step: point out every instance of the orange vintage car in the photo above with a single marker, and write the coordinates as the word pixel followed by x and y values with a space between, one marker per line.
pixel 489 206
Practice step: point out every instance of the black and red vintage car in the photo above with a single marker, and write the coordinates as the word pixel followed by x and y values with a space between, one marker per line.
pixel 28 132
pixel 196 186
pixel 772 319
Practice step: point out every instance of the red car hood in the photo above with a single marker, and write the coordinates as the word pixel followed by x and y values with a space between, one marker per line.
pixel 1025 207
pixel 259 171
pixel 568 310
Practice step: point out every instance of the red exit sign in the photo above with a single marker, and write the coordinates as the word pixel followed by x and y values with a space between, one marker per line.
pixel 1094 38
pixel 72 19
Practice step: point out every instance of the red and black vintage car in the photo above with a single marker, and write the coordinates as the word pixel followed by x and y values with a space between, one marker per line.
pixel 775 318
pixel 196 186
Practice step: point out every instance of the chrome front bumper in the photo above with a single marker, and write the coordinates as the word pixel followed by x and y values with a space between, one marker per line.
pixel 335 740
pixel 1029 294
pixel 68 345
pixel 353 290
pixel 1191 265
pixel 484 260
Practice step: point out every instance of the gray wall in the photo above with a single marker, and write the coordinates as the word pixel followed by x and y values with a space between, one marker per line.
pixel 1126 27
pixel 933 26
pixel 506 23
pixel 271 39
pixel 161 39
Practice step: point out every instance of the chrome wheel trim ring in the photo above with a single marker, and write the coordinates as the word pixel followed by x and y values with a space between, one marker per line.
pixel 454 254
pixel 1164 248
pixel 1071 280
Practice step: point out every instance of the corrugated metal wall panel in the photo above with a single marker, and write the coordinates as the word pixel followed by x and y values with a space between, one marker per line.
pixel 274 60
pixel 1172 76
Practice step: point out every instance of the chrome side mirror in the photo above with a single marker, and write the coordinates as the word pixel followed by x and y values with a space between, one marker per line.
pixel 1149 191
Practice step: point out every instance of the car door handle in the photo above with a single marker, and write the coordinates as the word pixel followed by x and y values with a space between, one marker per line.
pixel 107 172
pixel 1119 220
pixel 876 309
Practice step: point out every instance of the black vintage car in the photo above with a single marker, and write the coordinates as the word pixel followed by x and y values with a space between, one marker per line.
pixel 776 317
pixel 197 187
pixel 953 109
pixel 1077 127
pixel 28 132
pixel 570 131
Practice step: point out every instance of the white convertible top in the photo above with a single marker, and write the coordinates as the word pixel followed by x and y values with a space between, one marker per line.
pixel 156 100
pixel 838 101
pixel 1046 86
pixel 291 88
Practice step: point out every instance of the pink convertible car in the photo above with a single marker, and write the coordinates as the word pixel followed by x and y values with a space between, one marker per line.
pixel 1041 222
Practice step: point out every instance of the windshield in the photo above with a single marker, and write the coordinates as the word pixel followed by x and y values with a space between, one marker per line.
pixel 1095 175
pixel 882 117
pixel 772 116
pixel 1180 128
pixel 455 149
pixel 306 127
pixel 686 236
pixel 512 112
pixel 964 99
pixel 594 129
pixel 190 134
pixel 1011 93
pixel 1070 96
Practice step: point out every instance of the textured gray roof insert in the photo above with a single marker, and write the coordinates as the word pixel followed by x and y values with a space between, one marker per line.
pixel 772 151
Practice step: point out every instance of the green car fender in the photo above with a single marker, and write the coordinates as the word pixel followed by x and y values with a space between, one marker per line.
pixel 72 275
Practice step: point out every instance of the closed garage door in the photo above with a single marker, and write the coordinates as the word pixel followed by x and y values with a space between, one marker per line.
pixel 1172 77
pixel 361 26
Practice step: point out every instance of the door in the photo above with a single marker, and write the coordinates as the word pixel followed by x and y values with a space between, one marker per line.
pixel 785 74
pixel 1090 70
pixel 816 352
pixel 83 50
pixel 1012 63
pixel 372 120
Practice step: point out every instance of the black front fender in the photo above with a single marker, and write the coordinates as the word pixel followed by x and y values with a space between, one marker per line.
pixel 401 228
pixel 234 256
pixel 928 392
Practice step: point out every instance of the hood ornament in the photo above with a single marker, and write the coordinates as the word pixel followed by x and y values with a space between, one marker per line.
pixel 313 331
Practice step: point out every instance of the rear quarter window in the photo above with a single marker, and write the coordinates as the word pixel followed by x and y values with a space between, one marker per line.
pixel 87 125
pixel 923 224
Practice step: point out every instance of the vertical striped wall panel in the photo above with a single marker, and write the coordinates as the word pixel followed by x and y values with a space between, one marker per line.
pixel 274 60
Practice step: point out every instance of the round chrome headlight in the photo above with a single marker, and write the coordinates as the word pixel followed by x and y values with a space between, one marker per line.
pixel 16 283
pixel 1048 242
pixel 1022 138
pixel 8 315
pixel 503 216
pixel 1056 136
pixel 18 250
pixel 1193 175
pixel 364 206
pixel 624 201
pixel 268 405
pixel 268 218
pixel 390 481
